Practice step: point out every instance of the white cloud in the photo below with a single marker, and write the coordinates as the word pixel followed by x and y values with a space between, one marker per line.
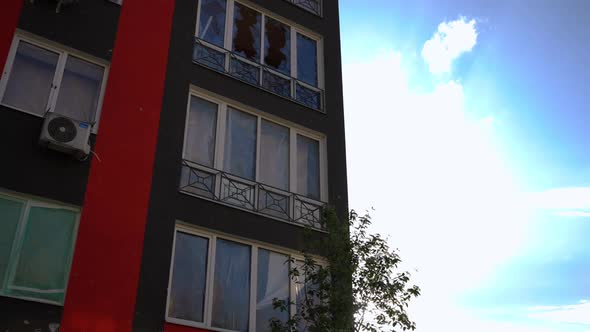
pixel 578 214
pixel 578 313
pixel 450 41
pixel 437 183
pixel 566 202
pixel 562 198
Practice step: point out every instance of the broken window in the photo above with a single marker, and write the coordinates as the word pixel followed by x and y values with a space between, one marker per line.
pixel 246 32
pixel 277 45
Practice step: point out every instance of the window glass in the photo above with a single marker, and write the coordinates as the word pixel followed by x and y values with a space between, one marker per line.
pixel 212 21
pixel 274 155
pixel 10 214
pixel 79 90
pixel 273 283
pixel 302 287
pixel 187 290
pixel 308 167
pixel 31 78
pixel 277 45
pixel 231 289
pixel 240 144
pixel 44 257
pixel 201 131
pixel 246 34
pixel 307 62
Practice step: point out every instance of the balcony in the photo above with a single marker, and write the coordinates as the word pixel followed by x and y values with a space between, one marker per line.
pixel 312 6
pixel 257 74
pixel 202 181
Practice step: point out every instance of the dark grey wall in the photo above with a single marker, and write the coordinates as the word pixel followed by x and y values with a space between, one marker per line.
pixel 90 27
pixel 168 205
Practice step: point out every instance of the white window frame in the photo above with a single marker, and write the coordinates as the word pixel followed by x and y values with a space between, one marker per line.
pixel 64 53
pixel 295 28
pixel 212 237
pixel 14 255
pixel 294 130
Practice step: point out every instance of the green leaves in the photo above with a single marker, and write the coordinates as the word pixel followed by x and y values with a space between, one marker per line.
pixel 359 289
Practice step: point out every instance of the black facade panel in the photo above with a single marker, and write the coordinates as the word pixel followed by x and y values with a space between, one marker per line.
pixel 28 168
pixel 87 25
pixel 167 205
pixel 25 316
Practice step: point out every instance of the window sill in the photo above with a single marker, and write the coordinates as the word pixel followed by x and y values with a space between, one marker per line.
pixel 181 325
pixel 220 187
pixel 32 299
pixel 258 75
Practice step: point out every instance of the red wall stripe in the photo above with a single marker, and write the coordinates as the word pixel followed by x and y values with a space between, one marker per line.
pixel 9 15
pixel 105 272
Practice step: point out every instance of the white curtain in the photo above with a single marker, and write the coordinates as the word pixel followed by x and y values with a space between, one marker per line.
pixel 273 283
pixel 31 78
pixel 231 287
pixel 274 155
pixel 79 90
pixel 240 144
pixel 201 129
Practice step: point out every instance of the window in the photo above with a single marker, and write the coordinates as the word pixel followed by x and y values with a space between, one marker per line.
pixel 249 161
pixel 212 21
pixel 308 167
pixel 259 49
pixel 36 248
pixel 40 79
pixel 219 282
pixel 240 144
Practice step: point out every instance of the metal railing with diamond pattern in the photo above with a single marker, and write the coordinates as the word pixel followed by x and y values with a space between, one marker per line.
pixel 257 74
pixel 312 6
pixel 226 188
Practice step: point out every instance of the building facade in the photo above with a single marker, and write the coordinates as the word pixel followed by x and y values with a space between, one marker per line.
pixel 216 130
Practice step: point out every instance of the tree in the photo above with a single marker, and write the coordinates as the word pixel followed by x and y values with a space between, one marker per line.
pixel 357 289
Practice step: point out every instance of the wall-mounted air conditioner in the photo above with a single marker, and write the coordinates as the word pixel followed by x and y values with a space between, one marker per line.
pixel 66 135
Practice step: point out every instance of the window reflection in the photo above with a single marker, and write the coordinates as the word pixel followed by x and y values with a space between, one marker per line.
pixel 308 167
pixel 212 21
pixel 187 291
pixel 307 64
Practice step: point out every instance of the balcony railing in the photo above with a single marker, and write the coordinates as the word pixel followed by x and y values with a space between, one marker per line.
pixel 219 186
pixel 313 6
pixel 257 74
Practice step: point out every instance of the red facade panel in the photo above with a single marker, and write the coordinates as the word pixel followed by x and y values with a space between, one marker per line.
pixel 8 20
pixel 103 280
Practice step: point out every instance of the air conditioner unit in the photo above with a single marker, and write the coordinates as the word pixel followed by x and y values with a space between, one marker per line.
pixel 66 135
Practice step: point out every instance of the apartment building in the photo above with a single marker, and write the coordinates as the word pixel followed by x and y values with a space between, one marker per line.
pixel 161 160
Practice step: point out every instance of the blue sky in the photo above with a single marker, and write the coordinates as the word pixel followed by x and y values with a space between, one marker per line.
pixel 477 116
